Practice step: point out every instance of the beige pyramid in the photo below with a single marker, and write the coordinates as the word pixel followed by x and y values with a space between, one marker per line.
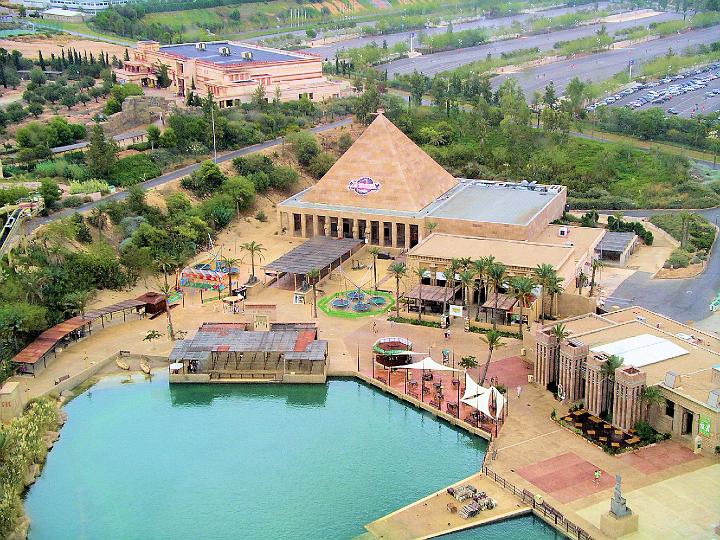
pixel 383 169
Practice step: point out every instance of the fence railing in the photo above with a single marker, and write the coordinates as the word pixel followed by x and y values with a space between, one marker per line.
pixel 550 513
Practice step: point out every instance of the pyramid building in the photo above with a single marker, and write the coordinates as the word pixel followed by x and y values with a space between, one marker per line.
pixel 386 191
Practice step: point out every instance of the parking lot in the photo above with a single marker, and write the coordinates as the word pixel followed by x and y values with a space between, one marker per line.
pixel 685 94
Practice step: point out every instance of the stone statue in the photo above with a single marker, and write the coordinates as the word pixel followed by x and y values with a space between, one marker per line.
pixel 617 503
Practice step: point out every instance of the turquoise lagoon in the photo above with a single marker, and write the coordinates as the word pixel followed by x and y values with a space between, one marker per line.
pixel 144 460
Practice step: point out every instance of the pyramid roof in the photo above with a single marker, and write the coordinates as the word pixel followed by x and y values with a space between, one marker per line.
pixel 383 169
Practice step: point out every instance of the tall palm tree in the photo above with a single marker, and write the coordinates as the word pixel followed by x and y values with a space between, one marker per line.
pixel 398 270
pixel 543 274
pixel 166 264
pixel 430 226
pixel 608 371
pixel 374 251
pixel 596 265
pixel 522 288
pixel 229 263
pixel 420 273
pixel 450 272
pixel 651 395
pixel 555 287
pixel 255 249
pixel 492 338
pixel 497 275
pixel 313 276
pixel 479 267
pixel 582 280
pixel 467 278
pixel 166 289
pixel 560 333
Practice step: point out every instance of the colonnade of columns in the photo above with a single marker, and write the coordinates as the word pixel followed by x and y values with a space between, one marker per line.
pixel 377 232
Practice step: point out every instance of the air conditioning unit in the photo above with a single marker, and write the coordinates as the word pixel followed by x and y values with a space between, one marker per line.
pixel 225 51
pixel 200 46
pixel 247 55
pixel 563 232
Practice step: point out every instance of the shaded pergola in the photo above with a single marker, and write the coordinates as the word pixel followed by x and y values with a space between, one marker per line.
pixel 505 304
pixel 67 331
pixel 431 294
pixel 319 253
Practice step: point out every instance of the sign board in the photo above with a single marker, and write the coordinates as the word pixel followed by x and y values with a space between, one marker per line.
pixel 703 426
pixel 456 311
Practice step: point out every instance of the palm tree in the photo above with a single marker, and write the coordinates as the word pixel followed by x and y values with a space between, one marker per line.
pixel 450 272
pixel 492 338
pixel 596 265
pixel 554 288
pixel 482 265
pixel 374 251
pixel 255 250
pixel 543 274
pixel 98 217
pixel 398 270
pixel 166 289
pixel 608 371
pixel 522 288
pixel 469 362
pixel 496 277
pixel 582 280
pixel 313 276
pixel 651 395
pixel 685 217
pixel 229 263
pixel 420 273
pixel 430 226
pixel 560 333
pixel 166 263
pixel 467 279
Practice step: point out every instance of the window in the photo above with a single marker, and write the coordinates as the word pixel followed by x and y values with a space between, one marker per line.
pixel 669 408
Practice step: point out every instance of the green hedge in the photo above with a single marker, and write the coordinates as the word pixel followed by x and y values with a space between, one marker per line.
pixel 132 170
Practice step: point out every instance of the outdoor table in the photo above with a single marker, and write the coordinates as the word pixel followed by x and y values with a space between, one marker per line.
pixel 578 424
pixel 455 382
pixel 591 432
pixel 633 440
pixel 615 445
pixel 437 385
pixel 578 413
pixel 412 383
pixel 595 420
pixel 602 439
pixel 606 426
pixel 427 377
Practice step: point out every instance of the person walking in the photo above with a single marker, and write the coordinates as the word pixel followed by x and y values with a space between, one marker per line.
pixel 519 389
pixel 597 477
pixel 375 329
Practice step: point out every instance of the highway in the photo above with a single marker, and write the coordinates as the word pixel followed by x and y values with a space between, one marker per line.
pixel 602 66
pixel 173 175
pixel 444 61
pixel 329 51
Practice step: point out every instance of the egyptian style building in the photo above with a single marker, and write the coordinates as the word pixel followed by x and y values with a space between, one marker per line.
pixel 231 71
pixel 681 361
pixel 387 192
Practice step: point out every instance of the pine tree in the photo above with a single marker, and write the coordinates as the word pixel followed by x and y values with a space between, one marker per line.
pixel 85 58
pixel 127 55
pixel 92 59
pixel 101 153
pixel 41 60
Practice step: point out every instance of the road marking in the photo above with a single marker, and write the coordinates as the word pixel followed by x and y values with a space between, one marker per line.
pixel 528 440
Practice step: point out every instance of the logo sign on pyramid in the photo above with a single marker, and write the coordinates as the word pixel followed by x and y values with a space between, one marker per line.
pixel 363 186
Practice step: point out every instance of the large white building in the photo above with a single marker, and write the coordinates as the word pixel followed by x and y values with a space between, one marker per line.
pixel 87 6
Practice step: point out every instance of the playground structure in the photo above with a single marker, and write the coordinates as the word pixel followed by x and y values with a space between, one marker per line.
pixel 355 303
pixel 392 351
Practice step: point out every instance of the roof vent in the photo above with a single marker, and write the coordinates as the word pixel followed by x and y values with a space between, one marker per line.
pixel 247 55
pixel 200 46
pixel 714 398
pixel 672 379
pixel 225 51
pixel 563 232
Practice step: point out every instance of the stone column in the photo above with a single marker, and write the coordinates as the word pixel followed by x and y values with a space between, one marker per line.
pixel 573 355
pixel 393 234
pixel 355 228
pixel 327 226
pixel 340 226
pixel 407 236
pixel 594 383
pixel 629 382
pixel 303 226
pixel 547 353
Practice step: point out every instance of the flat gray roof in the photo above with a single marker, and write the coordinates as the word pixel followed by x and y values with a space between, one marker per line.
pixel 514 204
pixel 212 53
pixel 616 241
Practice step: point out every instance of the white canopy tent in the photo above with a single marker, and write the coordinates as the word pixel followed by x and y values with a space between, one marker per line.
pixel 427 363
pixel 472 389
pixel 482 401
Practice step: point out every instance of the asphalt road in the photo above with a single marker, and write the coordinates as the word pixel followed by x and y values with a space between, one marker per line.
pixel 684 104
pixel 602 66
pixel 330 50
pixel 434 63
pixel 680 299
pixel 173 175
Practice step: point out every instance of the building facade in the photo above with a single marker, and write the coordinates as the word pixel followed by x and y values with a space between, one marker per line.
pixel 232 72
pixel 681 361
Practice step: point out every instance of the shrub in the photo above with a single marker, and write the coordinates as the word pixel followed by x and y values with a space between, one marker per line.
pixel 260 216
pixel 320 164
pixel 89 186
pixel 304 145
pixel 283 177
pixel 73 201
pixel 131 170
pixel 247 165
pixel 678 259
pixel 140 147
pixel 12 194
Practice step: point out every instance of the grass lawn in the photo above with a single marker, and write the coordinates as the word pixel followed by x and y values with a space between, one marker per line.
pixel 83 28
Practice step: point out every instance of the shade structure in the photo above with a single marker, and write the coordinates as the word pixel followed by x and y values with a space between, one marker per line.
pixel 499 401
pixel 427 363
pixel 176 366
pixel 472 389
pixel 480 402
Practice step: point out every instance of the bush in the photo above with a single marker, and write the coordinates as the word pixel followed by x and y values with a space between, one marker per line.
pixel 140 147
pixel 678 259
pixel 89 186
pixel 131 170
pixel 320 164
pixel 260 216
pixel 304 145
pixel 283 177
pixel 204 181
pixel 247 165
pixel 12 194
pixel 73 201
pixel 701 234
